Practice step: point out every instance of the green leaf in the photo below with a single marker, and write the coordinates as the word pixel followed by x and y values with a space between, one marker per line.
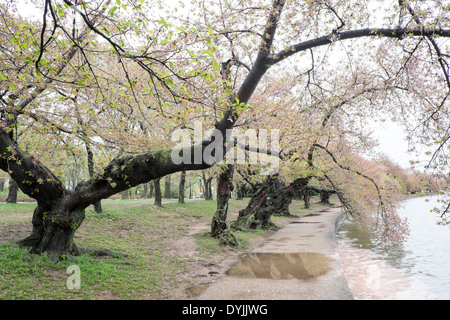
pixel 216 66
pixel 111 13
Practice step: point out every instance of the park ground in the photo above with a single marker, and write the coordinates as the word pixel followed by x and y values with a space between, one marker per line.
pixel 133 250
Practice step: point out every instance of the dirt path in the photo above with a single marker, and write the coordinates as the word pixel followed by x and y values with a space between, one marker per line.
pixel 298 262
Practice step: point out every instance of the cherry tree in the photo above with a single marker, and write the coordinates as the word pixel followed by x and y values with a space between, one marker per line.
pixel 209 61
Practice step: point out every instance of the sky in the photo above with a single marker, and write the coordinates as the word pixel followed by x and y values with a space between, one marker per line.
pixel 392 143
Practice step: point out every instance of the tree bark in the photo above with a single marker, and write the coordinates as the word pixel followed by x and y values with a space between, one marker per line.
pixel 240 192
pixel 209 194
pixel 167 186
pixel 307 198
pixel 98 207
pixel 54 230
pixel 207 186
pixel 323 193
pixel 181 186
pixel 152 187
pixel 190 188
pixel 324 197
pixel 12 193
pixel 219 225
pixel 158 195
pixel 249 218
pixel 145 191
pixel 263 205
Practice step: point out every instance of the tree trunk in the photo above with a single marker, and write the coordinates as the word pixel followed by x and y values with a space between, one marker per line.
pixel 219 225
pixel 324 197
pixel 261 207
pixel 240 192
pixel 280 199
pixel 12 193
pixel 209 194
pixel 53 231
pixel 249 218
pixel 158 195
pixel 306 198
pixel 208 187
pixel 167 185
pixel 190 188
pixel 152 187
pixel 181 186
pixel 145 191
pixel 98 207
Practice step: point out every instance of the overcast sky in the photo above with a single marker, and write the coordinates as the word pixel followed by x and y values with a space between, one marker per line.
pixel 393 144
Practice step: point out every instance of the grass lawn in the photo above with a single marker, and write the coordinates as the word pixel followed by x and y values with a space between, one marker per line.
pixel 148 252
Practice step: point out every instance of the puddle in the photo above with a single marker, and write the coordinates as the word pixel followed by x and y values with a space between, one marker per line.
pixel 302 265
pixel 311 215
pixel 197 290
pixel 293 222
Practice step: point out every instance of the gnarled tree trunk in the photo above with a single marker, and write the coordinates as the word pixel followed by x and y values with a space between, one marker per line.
pixel 263 205
pixel 219 225
pixel 54 230
pixel 255 214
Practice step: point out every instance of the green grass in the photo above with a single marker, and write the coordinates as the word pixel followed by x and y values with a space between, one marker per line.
pixel 143 261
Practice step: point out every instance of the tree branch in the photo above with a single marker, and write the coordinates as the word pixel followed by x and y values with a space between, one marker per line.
pixel 441 59
pixel 350 169
pixel 398 33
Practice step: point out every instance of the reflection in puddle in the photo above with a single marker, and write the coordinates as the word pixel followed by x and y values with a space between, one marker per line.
pixel 311 215
pixel 294 222
pixel 302 265
pixel 197 290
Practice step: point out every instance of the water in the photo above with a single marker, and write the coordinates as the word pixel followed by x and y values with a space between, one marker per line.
pixel 301 265
pixel 420 269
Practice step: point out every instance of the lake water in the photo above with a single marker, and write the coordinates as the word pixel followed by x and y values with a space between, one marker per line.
pixel 420 269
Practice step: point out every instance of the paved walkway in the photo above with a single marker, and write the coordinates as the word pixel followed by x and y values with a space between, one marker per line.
pixel 298 262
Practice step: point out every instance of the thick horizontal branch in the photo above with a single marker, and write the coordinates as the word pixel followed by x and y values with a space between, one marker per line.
pixel 398 33
pixel 272 152
pixel 318 189
pixel 129 171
